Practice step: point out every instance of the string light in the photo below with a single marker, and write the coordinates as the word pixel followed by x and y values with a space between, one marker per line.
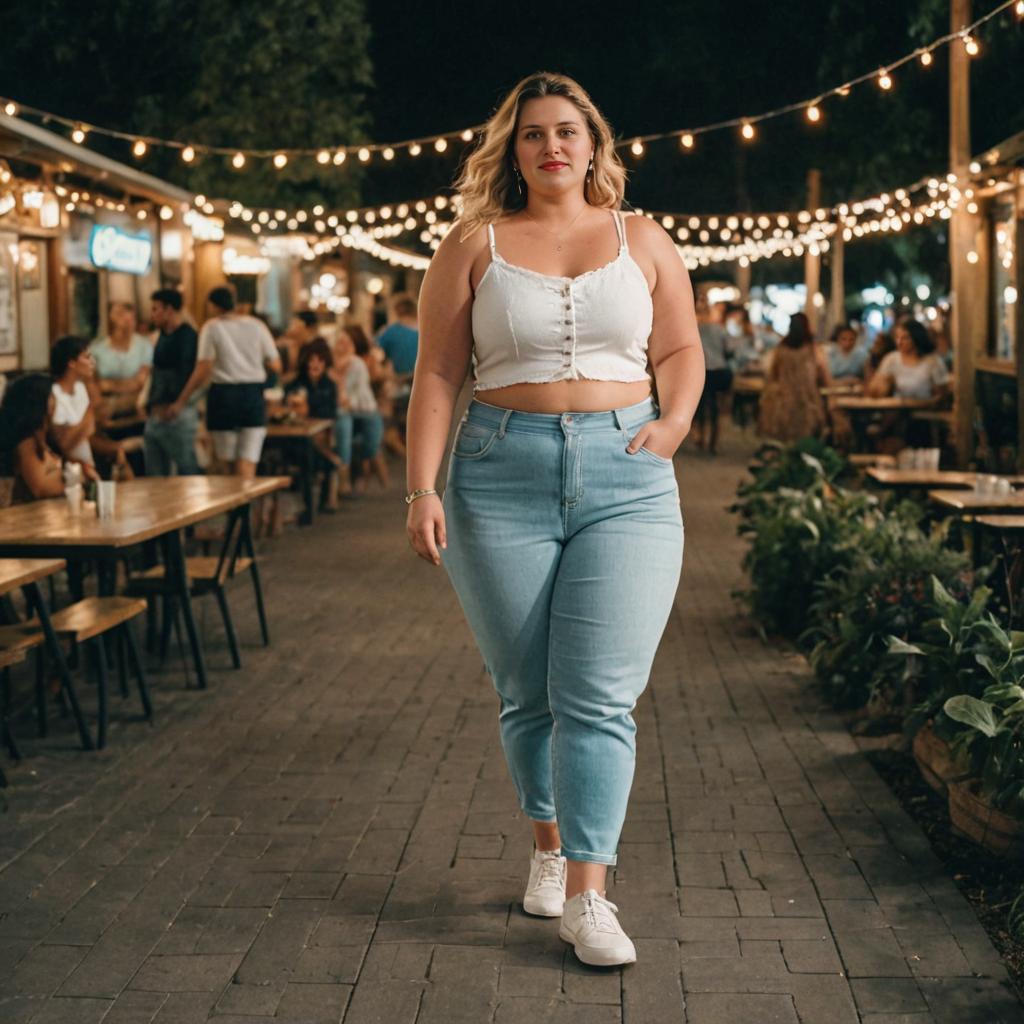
pixel 747 131
pixel 1019 8
pixel 637 149
pixel 188 154
pixel 339 157
pixel 415 149
pixel 323 157
pixel 388 154
pixel 467 135
pixel 884 80
pixel 441 145
pixel 10 108
pixel 238 161
pixel 686 140
pixel 139 148
pixel 78 135
pixel 280 160
pixel 364 154
pixel 971 46
pixel 926 58
pixel 814 113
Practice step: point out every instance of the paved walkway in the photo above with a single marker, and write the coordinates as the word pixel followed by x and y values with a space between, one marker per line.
pixel 329 834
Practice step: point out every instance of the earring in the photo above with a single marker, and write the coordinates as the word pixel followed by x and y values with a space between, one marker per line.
pixel 519 181
pixel 590 169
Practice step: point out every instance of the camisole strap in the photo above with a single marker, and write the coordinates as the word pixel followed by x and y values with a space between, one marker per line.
pixel 490 236
pixel 620 227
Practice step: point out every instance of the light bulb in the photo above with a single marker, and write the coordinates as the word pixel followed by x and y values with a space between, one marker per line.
pixel 339 157
pixel 78 135
pixel 415 149
pixel 10 108
pixel 188 154
pixel 139 148
pixel 747 131
pixel 280 159
pixel 364 154
pixel 441 145
pixel 884 81
pixel 323 157
pixel 388 154
pixel 166 213
pixel 971 46
pixel 972 257
pixel 467 135
pixel 814 113
pixel 238 161
pixel 926 58
pixel 686 141
pixel 637 149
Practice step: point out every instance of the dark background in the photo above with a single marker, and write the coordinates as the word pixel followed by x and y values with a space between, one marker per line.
pixel 309 72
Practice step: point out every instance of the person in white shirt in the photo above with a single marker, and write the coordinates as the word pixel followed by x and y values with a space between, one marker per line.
pixel 234 352
pixel 74 421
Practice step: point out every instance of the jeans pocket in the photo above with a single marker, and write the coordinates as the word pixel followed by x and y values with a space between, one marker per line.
pixel 659 460
pixel 473 441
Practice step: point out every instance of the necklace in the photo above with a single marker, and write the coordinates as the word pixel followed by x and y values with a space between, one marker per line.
pixel 561 234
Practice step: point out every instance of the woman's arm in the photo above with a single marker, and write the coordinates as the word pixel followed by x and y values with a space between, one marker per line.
pixel 674 350
pixel 880 384
pixel 41 473
pixel 445 348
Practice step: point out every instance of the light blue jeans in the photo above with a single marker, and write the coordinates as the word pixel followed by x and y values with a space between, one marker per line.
pixel 369 426
pixel 565 552
pixel 170 445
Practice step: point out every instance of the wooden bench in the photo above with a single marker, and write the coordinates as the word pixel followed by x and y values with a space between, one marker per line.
pixel 16 641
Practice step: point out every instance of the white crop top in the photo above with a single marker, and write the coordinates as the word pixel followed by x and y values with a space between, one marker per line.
pixel 532 328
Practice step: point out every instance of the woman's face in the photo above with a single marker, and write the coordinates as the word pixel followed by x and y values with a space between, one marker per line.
pixel 85 365
pixel 904 342
pixel 553 147
pixel 846 340
pixel 122 318
pixel 344 346
pixel 315 367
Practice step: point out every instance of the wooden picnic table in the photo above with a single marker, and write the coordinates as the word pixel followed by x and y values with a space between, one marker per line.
pixel 927 478
pixel 872 403
pixel 302 434
pixel 970 502
pixel 25 573
pixel 1004 523
pixel 150 508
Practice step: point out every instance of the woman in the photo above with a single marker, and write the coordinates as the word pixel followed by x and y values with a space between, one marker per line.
pixel 124 356
pixel 314 394
pixel 25 454
pixel 358 414
pixel 791 406
pixel 717 347
pixel 560 526
pixel 235 350
pixel 914 371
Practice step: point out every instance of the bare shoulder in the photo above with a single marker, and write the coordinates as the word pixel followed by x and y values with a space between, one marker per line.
pixel 648 235
pixel 458 249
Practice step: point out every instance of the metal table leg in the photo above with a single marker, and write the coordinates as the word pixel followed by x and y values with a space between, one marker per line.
pixel 177 576
pixel 249 549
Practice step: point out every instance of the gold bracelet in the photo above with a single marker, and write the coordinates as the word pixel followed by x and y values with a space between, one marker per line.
pixel 421 493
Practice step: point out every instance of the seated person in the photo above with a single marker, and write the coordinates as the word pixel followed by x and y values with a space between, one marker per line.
pixel 313 394
pixel 846 360
pixel 74 419
pixel 301 331
pixel 25 454
pixel 912 371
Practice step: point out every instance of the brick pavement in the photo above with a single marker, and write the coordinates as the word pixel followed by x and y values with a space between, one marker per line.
pixel 329 834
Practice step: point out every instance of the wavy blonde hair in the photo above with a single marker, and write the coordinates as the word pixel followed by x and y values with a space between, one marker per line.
pixel 487 182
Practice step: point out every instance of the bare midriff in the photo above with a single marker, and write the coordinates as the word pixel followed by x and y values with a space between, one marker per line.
pixel 568 396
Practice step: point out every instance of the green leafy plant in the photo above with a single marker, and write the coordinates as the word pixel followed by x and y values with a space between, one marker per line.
pixel 1015 919
pixel 883 591
pixel 992 740
pixel 959 648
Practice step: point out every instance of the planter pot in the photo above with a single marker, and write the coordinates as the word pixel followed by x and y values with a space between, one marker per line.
pixel 935 760
pixel 977 820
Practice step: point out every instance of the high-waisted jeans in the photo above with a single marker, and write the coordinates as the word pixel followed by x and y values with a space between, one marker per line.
pixel 565 552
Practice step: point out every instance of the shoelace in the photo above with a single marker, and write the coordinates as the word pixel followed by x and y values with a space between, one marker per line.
pixel 550 871
pixel 599 911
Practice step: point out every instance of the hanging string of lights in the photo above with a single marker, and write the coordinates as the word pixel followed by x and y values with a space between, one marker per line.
pixel 363 153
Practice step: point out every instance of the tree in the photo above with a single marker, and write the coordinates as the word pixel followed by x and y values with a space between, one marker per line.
pixel 267 74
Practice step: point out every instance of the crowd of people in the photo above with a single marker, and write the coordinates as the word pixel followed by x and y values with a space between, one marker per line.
pixel 182 401
pixel 800 375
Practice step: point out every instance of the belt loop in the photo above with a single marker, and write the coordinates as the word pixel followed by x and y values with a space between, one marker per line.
pixel 504 422
pixel 620 420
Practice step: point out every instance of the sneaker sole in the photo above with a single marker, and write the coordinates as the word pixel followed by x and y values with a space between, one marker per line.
pixel 595 961
pixel 540 913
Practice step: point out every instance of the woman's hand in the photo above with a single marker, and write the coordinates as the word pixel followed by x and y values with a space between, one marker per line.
pixel 661 437
pixel 426 529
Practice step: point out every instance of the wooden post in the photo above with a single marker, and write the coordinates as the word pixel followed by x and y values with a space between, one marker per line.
pixel 837 295
pixel 1018 340
pixel 812 262
pixel 961 240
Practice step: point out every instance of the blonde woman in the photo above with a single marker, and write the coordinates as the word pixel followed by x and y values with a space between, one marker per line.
pixel 560 526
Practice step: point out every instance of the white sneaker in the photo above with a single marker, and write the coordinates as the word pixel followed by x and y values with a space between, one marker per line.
pixel 590 924
pixel 545 892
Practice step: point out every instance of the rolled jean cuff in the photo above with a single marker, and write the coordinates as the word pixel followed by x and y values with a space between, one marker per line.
pixel 610 859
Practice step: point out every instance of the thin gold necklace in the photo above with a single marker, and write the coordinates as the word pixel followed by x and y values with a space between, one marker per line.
pixel 560 235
